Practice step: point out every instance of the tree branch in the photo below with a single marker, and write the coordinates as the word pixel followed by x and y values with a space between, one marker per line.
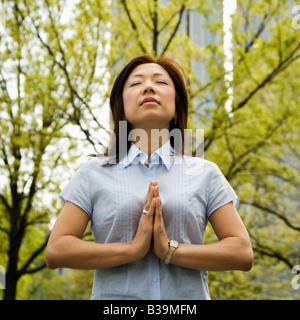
pixel 5 231
pixel 142 18
pixel 30 271
pixel 169 21
pixel 273 212
pixel 5 203
pixel 24 269
pixel 63 67
pixel 174 31
pixel 264 250
pixel 282 65
pixel 155 30
pixel 133 25
pixel 237 164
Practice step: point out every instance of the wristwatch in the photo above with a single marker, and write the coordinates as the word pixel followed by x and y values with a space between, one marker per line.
pixel 173 244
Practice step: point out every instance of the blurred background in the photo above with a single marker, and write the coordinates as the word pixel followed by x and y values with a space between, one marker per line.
pixel 58 60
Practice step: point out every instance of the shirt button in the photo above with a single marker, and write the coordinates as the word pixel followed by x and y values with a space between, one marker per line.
pixel 154 279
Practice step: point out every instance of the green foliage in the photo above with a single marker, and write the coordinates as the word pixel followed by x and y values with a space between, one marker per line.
pixel 60 284
pixel 58 60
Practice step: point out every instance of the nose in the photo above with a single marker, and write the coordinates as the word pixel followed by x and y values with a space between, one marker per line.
pixel 149 88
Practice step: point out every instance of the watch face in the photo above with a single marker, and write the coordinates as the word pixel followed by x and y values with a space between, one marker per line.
pixel 174 243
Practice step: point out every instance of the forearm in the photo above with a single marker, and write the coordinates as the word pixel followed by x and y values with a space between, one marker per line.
pixel 227 254
pixel 71 252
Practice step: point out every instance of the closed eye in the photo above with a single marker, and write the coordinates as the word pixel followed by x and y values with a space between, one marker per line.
pixel 162 82
pixel 134 84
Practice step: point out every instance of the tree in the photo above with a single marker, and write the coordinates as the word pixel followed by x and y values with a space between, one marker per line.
pixel 256 145
pixel 264 168
pixel 45 93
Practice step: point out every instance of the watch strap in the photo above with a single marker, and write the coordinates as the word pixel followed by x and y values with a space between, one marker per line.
pixel 170 254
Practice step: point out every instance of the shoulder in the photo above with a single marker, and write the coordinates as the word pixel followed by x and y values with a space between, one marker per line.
pixel 198 161
pixel 95 163
pixel 92 167
pixel 197 165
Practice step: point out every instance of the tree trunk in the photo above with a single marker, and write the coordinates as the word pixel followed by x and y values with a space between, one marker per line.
pixel 12 275
pixel 11 287
pixel 11 278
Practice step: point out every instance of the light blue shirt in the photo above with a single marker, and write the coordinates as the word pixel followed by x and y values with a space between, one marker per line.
pixel 191 189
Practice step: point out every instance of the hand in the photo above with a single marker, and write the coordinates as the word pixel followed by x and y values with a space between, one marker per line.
pixel 160 244
pixel 142 241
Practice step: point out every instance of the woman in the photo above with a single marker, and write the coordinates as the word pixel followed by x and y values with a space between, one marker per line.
pixel 148 210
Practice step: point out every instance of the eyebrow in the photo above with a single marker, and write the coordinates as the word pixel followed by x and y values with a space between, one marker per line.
pixel 155 74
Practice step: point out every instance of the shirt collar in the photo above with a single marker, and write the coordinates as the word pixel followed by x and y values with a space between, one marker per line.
pixel 164 155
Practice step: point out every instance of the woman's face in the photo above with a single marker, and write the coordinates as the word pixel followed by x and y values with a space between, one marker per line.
pixel 149 97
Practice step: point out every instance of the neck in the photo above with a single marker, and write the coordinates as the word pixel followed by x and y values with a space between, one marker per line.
pixel 151 139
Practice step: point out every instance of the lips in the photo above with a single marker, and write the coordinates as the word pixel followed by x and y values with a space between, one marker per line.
pixel 149 99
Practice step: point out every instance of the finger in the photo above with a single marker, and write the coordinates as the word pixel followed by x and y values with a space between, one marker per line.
pixel 149 199
pixel 156 191
pixel 148 193
pixel 158 205
pixel 158 223
pixel 151 210
pixel 158 211
pixel 153 183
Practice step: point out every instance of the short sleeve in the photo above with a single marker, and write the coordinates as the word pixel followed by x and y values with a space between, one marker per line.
pixel 220 192
pixel 77 190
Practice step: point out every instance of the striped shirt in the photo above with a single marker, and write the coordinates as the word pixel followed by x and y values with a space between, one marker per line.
pixel 191 189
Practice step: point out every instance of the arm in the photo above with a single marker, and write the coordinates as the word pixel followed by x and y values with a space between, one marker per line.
pixel 233 251
pixel 66 248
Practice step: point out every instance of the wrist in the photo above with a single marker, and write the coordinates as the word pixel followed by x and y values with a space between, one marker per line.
pixel 135 252
pixel 131 253
pixel 173 245
pixel 164 249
